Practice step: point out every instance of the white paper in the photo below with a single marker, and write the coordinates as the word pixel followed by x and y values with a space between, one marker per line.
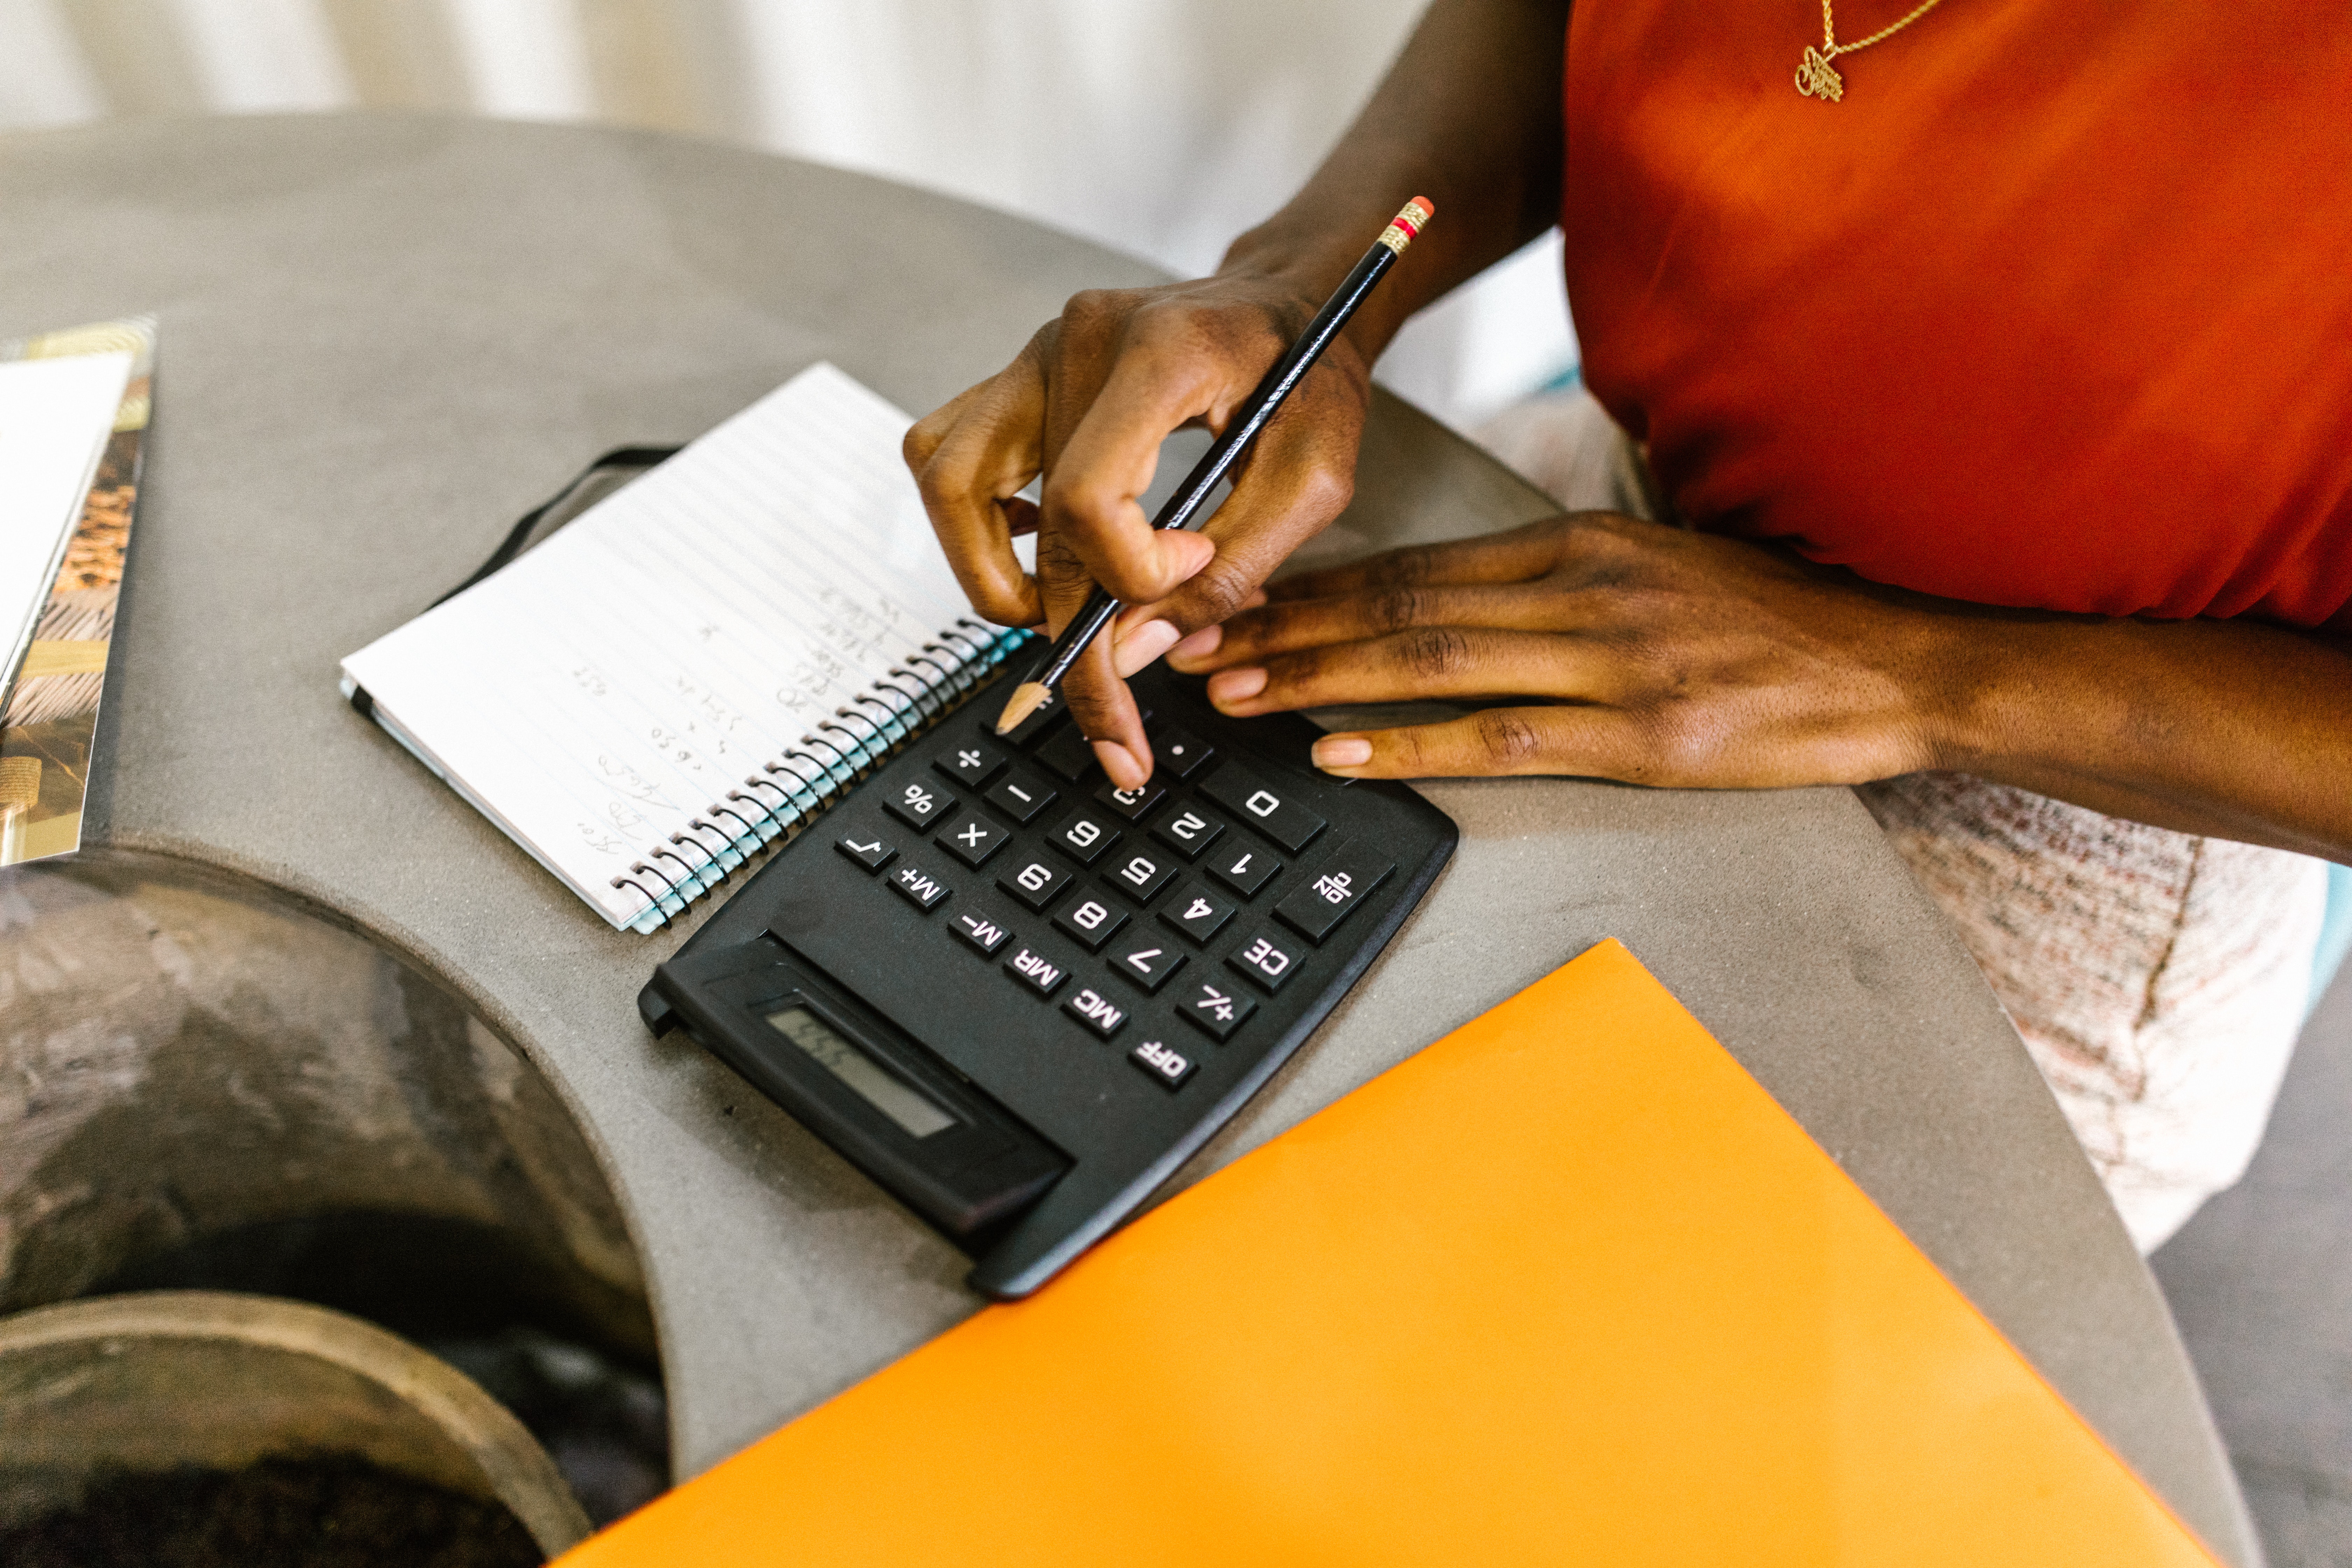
pixel 54 418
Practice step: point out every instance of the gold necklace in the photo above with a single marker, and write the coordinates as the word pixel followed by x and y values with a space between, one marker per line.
pixel 1817 78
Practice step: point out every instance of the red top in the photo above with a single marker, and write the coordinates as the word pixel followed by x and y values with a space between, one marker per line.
pixel 2053 309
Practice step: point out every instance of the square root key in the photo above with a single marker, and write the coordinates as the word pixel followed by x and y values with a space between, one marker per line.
pixel 868 851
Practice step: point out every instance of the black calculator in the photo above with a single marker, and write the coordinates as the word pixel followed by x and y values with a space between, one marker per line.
pixel 1017 997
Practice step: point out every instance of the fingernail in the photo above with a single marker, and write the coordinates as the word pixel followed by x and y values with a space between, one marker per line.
pixel 1236 685
pixel 1141 646
pixel 1342 751
pixel 1200 644
pixel 1119 762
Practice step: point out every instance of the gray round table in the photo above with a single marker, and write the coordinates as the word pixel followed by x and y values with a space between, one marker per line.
pixel 382 337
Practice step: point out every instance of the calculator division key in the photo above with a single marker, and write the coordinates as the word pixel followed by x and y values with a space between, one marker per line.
pixel 1129 804
pixel 1270 811
pixel 1095 1011
pixel 1197 911
pixel 1020 797
pixel 1151 961
pixel 1035 971
pixel 971 765
pixel 1036 883
pixel 983 933
pixel 1217 1010
pixel 1179 752
pixel 973 840
pixel 918 805
pixel 918 887
pixel 868 851
pixel 1090 922
pixel 1084 837
pixel 1268 959
pixel 1314 909
pixel 1188 832
pixel 1067 752
pixel 1162 1063
pixel 1140 874
pixel 1242 866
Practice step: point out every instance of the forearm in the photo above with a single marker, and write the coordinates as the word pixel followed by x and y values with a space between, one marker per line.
pixel 2228 728
pixel 1469 116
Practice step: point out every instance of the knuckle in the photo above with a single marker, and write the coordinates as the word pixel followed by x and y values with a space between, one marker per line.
pixel 1395 609
pixel 1507 737
pixel 1403 568
pixel 1435 653
pixel 1324 490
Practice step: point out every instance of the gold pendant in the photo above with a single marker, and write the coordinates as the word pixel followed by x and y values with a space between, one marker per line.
pixel 1816 77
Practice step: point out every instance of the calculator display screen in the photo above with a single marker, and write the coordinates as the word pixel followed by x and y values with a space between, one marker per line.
pixel 871 1082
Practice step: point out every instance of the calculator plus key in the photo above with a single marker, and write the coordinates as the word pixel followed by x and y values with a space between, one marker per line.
pixel 1095 1011
pixel 1270 811
pixel 1033 882
pixel 1313 910
pixel 1084 837
pixel 1090 922
pixel 918 806
pixel 980 933
pixel 1162 1063
pixel 918 887
pixel 1020 797
pixel 1268 960
pixel 973 840
pixel 868 851
pixel 1244 867
pixel 1129 804
pixel 1199 913
pixel 1149 961
pixel 1141 876
pixel 1188 832
pixel 1217 1009
pixel 971 765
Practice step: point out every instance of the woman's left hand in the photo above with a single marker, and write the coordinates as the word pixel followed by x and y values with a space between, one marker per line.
pixel 1642 653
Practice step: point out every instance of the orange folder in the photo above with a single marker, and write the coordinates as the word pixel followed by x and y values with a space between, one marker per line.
pixel 1566 1287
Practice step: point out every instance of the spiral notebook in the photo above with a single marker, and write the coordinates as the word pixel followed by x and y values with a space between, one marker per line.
pixel 697 664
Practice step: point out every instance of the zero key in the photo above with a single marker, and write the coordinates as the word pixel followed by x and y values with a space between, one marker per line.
pixel 1284 820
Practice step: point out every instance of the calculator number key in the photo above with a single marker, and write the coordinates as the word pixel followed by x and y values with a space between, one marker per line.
pixel 1035 883
pixel 1199 913
pixel 970 765
pixel 1244 867
pixel 1314 909
pixel 1140 877
pixel 1150 963
pixel 918 806
pixel 1267 960
pixel 1188 832
pixel 918 887
pixel 1217 1010
pixel 1084 838
pixel 973 840
pixel 1285 821
pixel 979 932
pixel 1038 972
pixel 1131 804
pixel 1162 1064
pixel 1020 798
pixel 1090 922
pixel 1069 754
pixel 1095 1011
pixel 868 850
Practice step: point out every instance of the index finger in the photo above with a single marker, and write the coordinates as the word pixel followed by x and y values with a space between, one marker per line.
pixel 1516 555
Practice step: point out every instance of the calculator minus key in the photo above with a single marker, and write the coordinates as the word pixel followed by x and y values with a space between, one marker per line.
pixel 918 806
pixel 868 851
pixel 918 887
pixel 971 765
pixel 1020 797
pixel 1315 907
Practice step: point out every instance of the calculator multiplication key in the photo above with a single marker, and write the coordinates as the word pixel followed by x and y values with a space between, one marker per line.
pixel 1162 1063
pixel 971 765
pixel 1314 908
pixel 1090 922
pixel 1197 911
pixel 1020 797
pixel 979 932
pixel 868 851
pixel 1129 804
pixel 1271 811
pixel 1268 960
pixel 1034 882
pixel 1242 866
pixel 1084 837
pixel 918 887
pixel 1035 971
pixel 1188 832
pixel 1140 874
pixel 1148 961
pixel 1179 753
pixel 1095 1011
pixel 1067 752
pixel 973 840
pixel 918 806
pixel 1217 1009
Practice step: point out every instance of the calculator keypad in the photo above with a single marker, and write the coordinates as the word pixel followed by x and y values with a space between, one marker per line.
pixel 1244 865
pixel 1188 832
pixel 918 806
pixel 1268 960
pixel 1036 882
pixel 1084 837
pixel 971 765
pixel 1140 874
pixel 868 850
pixel 1149 960
pixel 1285 822
pixel 918 887
pixel 1021 798
pixel 1198 913
pixel 1090 922
pixel 1035 971
pixel 973 840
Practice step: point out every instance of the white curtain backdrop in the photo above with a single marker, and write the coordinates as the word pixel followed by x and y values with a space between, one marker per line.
pixel 1161 127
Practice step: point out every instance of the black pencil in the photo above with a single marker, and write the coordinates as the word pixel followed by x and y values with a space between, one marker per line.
pixel 1183 507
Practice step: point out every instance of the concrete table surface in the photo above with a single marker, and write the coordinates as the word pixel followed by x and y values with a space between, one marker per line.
pixel 383 337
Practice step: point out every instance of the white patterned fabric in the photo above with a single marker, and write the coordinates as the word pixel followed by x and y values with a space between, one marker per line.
pixel 2158 979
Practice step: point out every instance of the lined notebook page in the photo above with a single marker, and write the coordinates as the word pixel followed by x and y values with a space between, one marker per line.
pixel 608 697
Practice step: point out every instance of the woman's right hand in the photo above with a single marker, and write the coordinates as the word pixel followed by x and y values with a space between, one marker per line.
pixel 1087 405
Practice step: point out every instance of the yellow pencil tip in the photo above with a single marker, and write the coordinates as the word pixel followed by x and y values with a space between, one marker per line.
pixel 1027 697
